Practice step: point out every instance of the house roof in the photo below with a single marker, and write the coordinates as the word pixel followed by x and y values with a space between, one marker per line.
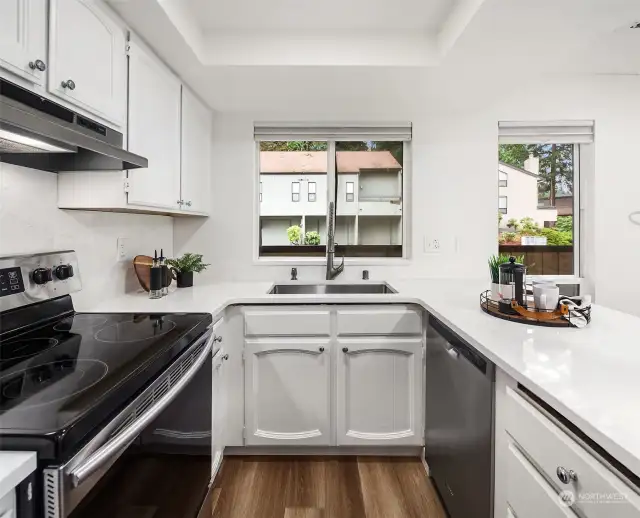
pixel 515 168
pixel 315 162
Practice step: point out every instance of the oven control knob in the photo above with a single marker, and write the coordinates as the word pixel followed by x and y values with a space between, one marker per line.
pixel 42 275
pixel 64 271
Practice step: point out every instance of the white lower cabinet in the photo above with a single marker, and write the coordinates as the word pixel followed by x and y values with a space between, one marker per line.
pixel 312 378
pixel 287 392
pixel 528 494
pixel 379 391
pixel 219 399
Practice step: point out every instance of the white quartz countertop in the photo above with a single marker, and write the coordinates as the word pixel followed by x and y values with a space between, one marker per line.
pixel 590 375
pixel 15 466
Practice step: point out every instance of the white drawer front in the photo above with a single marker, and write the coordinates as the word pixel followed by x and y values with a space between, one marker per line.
pixel 528 494
pixel 8 505
pixel 287 323
pixel 599 492
pixel 379 321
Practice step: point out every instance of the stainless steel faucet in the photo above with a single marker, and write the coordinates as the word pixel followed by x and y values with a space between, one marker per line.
pixel 332 272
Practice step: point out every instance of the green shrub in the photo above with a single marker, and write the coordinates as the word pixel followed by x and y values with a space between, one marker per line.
pixel 312 238
pixel 513 223
pixel 509 237
pixel 294 233
pixel 529 227
pixel 565 223
pixel 557 237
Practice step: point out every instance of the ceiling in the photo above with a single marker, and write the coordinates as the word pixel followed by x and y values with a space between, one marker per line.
pixel 378 55
pixel 320 14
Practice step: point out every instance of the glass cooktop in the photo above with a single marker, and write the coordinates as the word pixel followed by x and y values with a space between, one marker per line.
pixel 68 376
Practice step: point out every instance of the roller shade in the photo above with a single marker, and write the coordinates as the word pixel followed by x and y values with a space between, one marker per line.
pixel 332 131
pixel 556 132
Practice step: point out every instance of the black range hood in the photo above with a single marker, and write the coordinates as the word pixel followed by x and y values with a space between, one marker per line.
pixel 40 134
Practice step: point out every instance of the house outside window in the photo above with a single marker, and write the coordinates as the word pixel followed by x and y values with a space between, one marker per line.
pixel 369 225
pixel 503 179
pixel 350 191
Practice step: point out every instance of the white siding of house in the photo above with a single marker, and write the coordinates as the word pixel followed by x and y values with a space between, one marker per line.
pixel 343 206
pixel 522 197
pixel 274 230
pixel 276 195
pixel 379 185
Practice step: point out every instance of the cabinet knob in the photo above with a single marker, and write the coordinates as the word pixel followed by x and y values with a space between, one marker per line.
pixel 321 349
pixel 345 349
pixel 225 357
pixel 68 84
pixel 217 339
pixel 37 64
pixel 566 475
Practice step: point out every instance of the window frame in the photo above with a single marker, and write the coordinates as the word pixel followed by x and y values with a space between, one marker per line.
pixel 506 204
pixel 295 193
pixel 314 193
pixel 506 180
pixel 352 193
pixel 331 183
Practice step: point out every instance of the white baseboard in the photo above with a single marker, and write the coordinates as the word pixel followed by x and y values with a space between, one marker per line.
pixel 380 451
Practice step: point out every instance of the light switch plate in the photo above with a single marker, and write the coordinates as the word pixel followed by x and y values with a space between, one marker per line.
pixel 123 249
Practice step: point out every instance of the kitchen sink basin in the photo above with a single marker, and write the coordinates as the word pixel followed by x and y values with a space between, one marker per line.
pixel 330 289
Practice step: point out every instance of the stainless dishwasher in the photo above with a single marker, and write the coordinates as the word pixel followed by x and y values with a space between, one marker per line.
pixel 459 423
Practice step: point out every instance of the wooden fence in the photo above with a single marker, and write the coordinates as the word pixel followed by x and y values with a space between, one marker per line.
pixel 543 260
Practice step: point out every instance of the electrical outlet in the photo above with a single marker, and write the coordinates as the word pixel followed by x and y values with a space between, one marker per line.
pixel 123 249
pixel 432 245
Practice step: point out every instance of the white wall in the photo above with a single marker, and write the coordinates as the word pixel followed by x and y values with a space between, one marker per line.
pixel 30 221
pixel 452 199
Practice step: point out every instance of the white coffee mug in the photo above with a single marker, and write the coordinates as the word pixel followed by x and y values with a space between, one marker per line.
pixel 546 296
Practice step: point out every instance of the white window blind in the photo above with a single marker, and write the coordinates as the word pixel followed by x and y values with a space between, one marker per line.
pixel 334 131
pixel 554 132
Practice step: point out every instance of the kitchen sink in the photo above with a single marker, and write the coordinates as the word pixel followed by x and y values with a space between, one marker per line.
pixel 329 289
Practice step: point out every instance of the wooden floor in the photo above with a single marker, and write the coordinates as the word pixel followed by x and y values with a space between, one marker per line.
pixel 323 487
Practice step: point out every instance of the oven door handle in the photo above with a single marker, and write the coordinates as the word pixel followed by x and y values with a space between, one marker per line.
pixel 127 435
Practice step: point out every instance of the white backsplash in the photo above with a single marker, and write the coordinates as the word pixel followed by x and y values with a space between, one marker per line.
pixel 31 221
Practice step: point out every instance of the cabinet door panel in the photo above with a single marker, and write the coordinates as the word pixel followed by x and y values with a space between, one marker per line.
pixel 287 392
pixel 219 411
pixel 88 47
pixel 379 391
pixel 23 37
pixel 196 153
pixel 154 130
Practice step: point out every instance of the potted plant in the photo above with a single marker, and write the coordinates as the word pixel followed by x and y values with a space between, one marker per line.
pixel 494 270
pixel 183 268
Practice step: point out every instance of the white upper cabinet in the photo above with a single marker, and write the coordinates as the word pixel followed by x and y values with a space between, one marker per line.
pixel 379 391
pixel 287 392
pixel 154 130
pixel 23 45
pixel 196 154
pixel 87 58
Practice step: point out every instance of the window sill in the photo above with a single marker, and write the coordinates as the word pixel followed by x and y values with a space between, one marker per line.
pixel 321 261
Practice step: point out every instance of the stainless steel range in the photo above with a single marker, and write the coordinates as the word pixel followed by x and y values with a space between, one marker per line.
pixel 115 405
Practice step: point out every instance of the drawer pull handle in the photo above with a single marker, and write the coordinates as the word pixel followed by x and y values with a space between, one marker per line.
pixel 345 349
pixel 566 475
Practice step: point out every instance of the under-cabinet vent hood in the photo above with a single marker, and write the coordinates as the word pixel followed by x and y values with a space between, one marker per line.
pixel 40 134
